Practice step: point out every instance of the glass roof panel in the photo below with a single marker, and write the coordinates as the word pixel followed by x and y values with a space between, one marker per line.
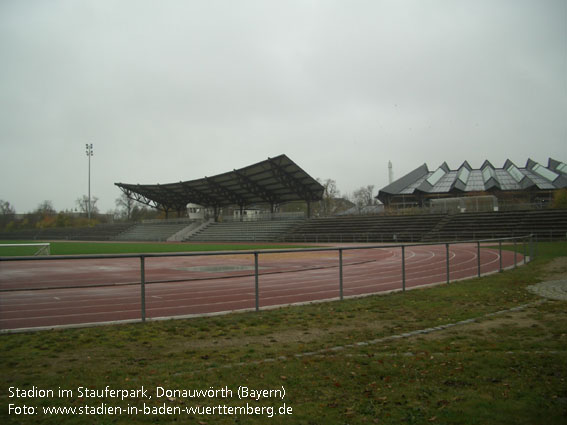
pixel 487 173
pixel 544 172
pixel 507 182
pixel 475 182
pixel 562 168
pixel 515 173
pixel 411 188
pixel 539 181
pixel 446 182
pixel 436 176
pixel 464 174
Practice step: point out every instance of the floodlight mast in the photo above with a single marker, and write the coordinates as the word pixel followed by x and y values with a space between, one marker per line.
pixel 89 148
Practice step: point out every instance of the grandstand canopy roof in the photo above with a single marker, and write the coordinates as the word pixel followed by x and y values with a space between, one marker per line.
pixel 465 179
pixel 273 181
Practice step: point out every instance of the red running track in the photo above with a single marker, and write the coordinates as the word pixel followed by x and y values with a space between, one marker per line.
pixel 36 294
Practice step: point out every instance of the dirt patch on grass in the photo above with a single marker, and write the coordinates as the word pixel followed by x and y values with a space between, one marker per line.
pixel 512 320
pixel 518 319
pixel 557 269
pixel 290 336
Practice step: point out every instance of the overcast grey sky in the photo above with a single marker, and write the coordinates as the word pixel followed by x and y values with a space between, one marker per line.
pixel 178 90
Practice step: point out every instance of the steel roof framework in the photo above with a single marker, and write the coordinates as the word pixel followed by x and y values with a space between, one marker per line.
pixel 273 181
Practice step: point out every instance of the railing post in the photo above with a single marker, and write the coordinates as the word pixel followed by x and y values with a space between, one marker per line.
pixel 403 269
pixel 500 256
pixel 143 285
pixel 341 274
pixel 256 284
pixel 478 256
pixel 447 255
pixel 525 250
pixel 515 255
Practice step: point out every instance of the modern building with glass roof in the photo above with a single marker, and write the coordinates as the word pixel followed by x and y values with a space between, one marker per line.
pixel 534 183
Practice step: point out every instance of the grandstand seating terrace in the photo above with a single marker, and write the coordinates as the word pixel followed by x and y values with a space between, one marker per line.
pixel 546 225
pixel 100 232
pixel 543 224
pixel 372 228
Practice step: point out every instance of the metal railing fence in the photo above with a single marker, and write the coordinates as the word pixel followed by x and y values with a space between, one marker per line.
pixel 415 237
pixel 529 248
pixel 264 216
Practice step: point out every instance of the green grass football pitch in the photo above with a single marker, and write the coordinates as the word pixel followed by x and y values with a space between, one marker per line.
pixel 83 248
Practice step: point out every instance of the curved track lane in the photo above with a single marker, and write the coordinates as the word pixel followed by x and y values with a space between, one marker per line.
pixel 73 292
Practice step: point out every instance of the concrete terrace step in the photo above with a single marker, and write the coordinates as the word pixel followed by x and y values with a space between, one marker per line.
pixel 365 228
pixel 544 224
pixel 269 230
pixel 151 232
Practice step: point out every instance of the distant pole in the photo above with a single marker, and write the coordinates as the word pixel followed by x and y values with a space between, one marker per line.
pixel 89 148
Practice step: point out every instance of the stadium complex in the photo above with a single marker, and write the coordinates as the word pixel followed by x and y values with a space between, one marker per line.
pixel 424 205
pixel 413 245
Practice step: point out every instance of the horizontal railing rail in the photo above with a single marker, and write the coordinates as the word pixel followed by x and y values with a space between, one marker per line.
pixel 178 220
pixel 409 236
pixel 264 217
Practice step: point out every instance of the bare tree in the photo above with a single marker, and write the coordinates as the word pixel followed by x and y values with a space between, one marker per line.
pixel 7 213
pixel 6 208
pixel 125 205
pixel 144 213
pixel 330 195
pixel 83 204
pixel 45 209
pixel 364 196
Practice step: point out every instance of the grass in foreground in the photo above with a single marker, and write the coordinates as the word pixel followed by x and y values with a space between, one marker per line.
pixel 81 248
pixel 509 368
